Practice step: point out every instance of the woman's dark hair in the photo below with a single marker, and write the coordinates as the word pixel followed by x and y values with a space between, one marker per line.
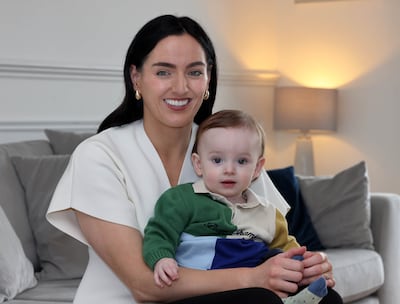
pixel 144 42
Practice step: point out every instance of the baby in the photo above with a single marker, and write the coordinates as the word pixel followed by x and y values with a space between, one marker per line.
pixel 218 222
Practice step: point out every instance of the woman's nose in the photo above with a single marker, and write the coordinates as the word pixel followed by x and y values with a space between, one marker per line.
pixel 180 83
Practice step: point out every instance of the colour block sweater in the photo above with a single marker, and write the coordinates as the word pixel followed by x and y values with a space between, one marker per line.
pixel 204 230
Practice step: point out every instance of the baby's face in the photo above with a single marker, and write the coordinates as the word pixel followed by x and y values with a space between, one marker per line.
pixel 228 160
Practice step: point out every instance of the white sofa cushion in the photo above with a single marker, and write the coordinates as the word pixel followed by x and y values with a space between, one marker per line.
pixel 368 300
pixel 358 272
pixel 16 271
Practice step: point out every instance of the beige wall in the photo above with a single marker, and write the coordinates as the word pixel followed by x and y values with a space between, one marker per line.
pixel 60 63
pixel 355 47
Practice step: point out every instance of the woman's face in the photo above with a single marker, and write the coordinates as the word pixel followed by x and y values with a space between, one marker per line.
pixel 172 82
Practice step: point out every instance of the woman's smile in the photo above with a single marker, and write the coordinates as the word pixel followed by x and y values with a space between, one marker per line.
pixel 177 103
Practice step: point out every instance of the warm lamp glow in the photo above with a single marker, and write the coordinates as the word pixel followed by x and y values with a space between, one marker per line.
pixel 305 110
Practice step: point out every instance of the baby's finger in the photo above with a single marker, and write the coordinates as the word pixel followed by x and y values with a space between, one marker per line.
pixel 158 280
pixel 172 273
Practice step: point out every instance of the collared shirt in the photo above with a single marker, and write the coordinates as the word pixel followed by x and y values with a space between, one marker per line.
pixel 254 219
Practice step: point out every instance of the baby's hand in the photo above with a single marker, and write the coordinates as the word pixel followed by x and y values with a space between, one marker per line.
pixel 165 272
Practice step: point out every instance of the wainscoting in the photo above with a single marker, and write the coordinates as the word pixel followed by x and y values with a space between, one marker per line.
pixel 38 96
pixel 25 130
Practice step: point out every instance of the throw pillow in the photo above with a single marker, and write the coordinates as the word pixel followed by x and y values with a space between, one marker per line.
pixel 299 221
pixel 60 256
pixel 63 142
pixel 12 198
pixel 339 207
pixel 16 272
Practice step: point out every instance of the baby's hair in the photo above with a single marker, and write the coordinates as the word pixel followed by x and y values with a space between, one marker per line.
pixel 230 119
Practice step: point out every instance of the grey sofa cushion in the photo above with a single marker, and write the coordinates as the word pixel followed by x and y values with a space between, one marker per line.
pixel 16 271
pixel 340 207
pixel 64 142
pixel 12 194
pixel 57 291
pixel 358 272
pixel 52 302
pixel 61 256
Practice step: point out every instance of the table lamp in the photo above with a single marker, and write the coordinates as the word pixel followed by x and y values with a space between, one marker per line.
pixel 305 110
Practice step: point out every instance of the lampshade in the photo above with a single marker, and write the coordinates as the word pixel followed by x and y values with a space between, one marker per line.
pixel 305 109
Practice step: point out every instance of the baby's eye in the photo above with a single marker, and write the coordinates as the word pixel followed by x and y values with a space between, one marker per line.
pixel 217 160
pixel 242 161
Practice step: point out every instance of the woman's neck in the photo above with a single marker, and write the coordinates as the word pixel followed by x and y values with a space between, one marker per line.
pixel 171 145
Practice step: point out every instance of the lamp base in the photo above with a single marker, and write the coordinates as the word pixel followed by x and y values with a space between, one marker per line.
pixel 304 160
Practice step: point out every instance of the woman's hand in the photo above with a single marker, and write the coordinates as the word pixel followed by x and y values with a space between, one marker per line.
pixel 316 264
pixel 281 273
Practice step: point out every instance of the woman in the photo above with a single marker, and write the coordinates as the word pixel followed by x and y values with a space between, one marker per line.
pixel 114 178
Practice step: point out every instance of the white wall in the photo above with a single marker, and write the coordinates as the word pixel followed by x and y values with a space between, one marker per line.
pixel 60 64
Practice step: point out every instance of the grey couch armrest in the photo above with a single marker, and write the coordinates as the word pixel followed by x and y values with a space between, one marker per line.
pixel 385 219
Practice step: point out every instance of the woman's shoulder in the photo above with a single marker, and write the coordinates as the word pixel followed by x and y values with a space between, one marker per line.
pixel 117 133
pixel 109 139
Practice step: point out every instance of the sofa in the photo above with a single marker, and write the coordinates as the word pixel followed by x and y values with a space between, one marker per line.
pixel 336 214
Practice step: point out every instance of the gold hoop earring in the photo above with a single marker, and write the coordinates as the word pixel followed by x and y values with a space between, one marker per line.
pixel 137 95
pixel 206 95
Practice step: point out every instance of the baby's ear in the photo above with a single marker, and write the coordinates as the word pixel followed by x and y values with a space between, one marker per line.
pixel 197 164
pixel 259 167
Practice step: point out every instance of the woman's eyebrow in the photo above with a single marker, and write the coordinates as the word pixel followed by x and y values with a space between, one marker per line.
pixel 196 63
pixel 163 64
pixel 170 65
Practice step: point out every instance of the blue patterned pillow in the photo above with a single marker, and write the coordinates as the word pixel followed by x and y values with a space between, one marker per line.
pixel 299 220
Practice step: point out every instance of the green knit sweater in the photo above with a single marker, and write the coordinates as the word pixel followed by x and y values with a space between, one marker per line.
pixel 180 210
